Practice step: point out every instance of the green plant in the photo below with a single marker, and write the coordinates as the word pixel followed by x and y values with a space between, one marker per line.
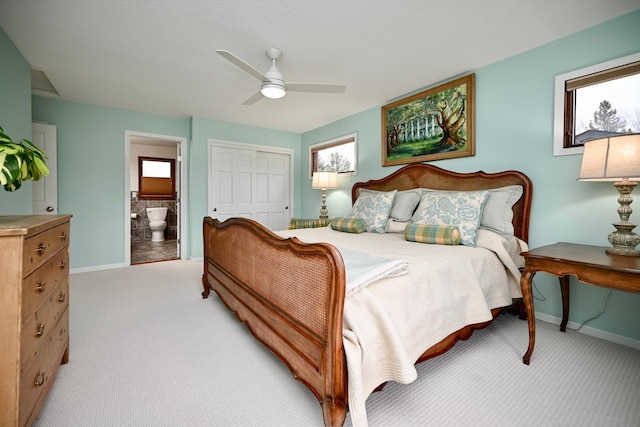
pixel 20 161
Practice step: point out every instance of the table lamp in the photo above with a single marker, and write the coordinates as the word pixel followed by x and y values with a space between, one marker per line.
pixel 617 159
pixel 324 181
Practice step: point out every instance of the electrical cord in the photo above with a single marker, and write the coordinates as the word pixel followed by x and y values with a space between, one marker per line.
pixel 606 301
pixel 535 288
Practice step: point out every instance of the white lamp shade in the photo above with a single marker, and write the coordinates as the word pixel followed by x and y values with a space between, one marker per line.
pixel 326 180
pixel 273 90
pixel 611 159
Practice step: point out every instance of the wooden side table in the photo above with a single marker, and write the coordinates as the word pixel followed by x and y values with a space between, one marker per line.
pixel 589 264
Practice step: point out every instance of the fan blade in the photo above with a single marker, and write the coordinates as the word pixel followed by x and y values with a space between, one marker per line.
pixel 255 98
pixel 315 87
pixel 240 63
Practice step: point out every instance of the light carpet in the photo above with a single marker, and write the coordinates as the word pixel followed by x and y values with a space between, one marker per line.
pixel 147 350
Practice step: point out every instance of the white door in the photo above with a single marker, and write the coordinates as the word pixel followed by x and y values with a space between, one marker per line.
pixel 273 190
pixel 45 190
pixel 248 183
pixel 178 184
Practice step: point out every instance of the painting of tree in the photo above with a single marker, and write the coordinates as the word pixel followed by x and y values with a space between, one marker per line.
pixel 434 124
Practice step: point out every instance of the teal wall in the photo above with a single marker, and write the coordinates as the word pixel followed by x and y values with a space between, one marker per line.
pixel 15 116
pixel 514 130
pixel 91 172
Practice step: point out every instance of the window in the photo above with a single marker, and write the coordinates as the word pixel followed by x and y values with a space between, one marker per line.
pixel 336 155
pixel 595 102
pixel 156 178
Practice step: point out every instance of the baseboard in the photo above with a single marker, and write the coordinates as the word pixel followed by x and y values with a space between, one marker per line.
pixel 96 268
pixel 112 266
pixel 588 330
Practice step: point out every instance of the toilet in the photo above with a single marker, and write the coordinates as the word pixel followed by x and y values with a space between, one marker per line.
pixel 157 223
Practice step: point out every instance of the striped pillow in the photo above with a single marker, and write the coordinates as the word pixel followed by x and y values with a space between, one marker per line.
pixel 428 233
pixel 308 223
pixel 349 225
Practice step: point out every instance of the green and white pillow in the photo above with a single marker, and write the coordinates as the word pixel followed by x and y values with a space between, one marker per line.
pixel 374 208
pixel 459 209
pixel 349 225
pixel 436 234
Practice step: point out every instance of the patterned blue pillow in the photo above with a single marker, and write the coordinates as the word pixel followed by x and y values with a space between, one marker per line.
pixel 374 208
pixel 460 209
pixel 497 212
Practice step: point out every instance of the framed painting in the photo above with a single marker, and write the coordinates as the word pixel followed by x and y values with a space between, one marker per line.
pixel 434 124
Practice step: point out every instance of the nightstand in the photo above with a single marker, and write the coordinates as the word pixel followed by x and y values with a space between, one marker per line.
pixel 589 264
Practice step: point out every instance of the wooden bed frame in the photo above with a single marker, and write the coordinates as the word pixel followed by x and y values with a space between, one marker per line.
pixel 291 294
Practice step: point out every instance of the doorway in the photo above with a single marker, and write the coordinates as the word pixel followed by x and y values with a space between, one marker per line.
pixel 145 153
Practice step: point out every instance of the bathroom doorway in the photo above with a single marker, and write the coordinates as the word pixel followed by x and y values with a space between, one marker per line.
pixel 154 203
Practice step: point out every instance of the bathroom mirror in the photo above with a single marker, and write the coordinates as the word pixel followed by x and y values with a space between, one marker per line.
pixel 156 178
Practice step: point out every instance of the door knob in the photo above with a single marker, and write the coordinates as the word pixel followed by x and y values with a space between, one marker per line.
pixel 50 209
pixel 215 209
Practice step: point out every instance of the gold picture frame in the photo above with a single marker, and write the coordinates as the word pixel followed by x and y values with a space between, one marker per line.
pixel 435 124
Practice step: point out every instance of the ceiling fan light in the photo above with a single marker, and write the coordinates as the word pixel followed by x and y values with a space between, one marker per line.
pixel 273 90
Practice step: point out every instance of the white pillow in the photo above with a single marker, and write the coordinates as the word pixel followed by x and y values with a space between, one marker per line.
pixel 405 204
pixel 498 209
pixel 462 209
pixel 394 226
pixel 374 208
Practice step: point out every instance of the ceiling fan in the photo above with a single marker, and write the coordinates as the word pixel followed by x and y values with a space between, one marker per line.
pixel 273 84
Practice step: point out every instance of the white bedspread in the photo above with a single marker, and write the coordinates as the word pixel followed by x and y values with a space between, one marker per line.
pixel 363 269
pixel 389 323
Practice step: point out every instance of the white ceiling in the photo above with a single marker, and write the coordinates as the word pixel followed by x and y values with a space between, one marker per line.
pixel 157 56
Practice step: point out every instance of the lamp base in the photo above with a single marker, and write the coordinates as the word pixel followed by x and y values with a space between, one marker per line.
pixel 324 213
pixel 624 240
pixel 623 252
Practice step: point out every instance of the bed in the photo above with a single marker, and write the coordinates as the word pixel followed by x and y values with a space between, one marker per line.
pixel 290 289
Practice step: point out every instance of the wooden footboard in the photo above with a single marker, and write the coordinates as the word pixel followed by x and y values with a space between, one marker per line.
pixel 291 297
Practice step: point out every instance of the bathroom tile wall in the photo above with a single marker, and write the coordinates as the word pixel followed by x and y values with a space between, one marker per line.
pixel 140 224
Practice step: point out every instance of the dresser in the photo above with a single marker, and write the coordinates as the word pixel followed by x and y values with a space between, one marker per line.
pixel 34 315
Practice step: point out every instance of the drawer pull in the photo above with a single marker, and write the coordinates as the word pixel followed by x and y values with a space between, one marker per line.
pixel 39 330
pixel 63 237
pixel 41 248
pixel 62 265
pixel 40 286
pixel 39 380
pixel 61 297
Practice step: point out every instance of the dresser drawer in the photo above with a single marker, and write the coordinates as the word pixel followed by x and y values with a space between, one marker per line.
pixel 37 287
pixel 38 248
pixel 36 381
pixel 38 326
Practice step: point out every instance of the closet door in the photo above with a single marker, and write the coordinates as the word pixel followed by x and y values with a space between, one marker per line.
pixel 273 190
pixel 249 183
